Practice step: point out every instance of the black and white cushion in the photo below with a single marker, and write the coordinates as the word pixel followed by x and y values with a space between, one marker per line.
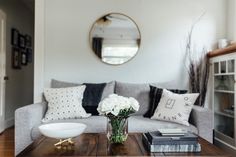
pixel 93 93
pixel 175 107
pixel 155 96
pixel 64 103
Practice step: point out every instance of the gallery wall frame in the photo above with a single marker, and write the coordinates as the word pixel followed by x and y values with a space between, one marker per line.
pixel 22 52
pixel 15 37
pixel 16 58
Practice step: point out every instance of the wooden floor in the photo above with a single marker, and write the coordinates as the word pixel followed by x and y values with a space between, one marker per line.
pixel 7 143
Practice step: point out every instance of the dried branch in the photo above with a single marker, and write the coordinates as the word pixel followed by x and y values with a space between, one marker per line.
pixel 198 70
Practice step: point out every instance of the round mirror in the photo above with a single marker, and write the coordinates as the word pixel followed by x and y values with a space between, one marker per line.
pixel 115 38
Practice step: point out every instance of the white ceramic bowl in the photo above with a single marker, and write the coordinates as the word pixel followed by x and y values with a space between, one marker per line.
pixel 62 130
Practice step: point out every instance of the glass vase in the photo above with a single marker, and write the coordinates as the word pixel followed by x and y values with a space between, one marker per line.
pixel 117 129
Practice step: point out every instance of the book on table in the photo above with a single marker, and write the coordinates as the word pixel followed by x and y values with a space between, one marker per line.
pixel 157 138
pixel 156 142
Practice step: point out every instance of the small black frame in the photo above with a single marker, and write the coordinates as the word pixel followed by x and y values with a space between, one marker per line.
pixel 29 55
pixel 24 58
pixel 28 41
pixel 15 37
pixel 22 41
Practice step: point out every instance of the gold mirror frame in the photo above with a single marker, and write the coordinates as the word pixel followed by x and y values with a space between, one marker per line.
pixel 107 21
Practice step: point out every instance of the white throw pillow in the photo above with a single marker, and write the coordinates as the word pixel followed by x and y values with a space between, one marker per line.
pixel 64 103
pixel 175 107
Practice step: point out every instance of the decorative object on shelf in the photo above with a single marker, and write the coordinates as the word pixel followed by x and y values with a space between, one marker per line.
pixel 115 38
pixel 21 41
pixel 28 41
pixel 222 43
pixel 16 58
pixel 23 57
pixel 198 69
pixel 62 131
pixel 14 37
pixel 117 109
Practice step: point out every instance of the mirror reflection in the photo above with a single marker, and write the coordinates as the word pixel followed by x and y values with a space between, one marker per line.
pixel 115 38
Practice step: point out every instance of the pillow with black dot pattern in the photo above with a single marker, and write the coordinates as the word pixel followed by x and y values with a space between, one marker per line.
pixel 64 103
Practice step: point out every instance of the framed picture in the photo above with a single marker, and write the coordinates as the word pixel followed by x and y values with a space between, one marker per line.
pixel 14 37
pixel 23 58
pixel 29 55
pixel 28 41
pixel 22 41
pixel 16 58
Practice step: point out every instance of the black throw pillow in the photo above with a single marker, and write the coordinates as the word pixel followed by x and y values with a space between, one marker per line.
pixel 92 97
pixel 155 96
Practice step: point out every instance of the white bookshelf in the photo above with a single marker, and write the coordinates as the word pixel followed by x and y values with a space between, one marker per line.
pixel 223 97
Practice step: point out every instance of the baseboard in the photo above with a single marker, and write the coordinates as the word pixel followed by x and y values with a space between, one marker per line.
pixel 9 122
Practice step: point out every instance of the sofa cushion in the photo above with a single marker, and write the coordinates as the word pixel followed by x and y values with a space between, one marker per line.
pixel 64 103
pixel 109 88
pixel 93 94
pixel 175 107
pixel 155 96
pixel 92 97
pixel 139 91
pixel 142 124
pixel 62 84
pixel 95 124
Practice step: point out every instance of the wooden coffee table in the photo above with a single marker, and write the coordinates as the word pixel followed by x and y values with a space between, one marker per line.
pixel 97 145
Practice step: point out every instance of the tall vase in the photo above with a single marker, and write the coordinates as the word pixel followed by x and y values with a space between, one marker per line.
pixel 117 129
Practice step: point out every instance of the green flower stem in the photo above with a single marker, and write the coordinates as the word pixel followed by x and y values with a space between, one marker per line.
pixel 118 125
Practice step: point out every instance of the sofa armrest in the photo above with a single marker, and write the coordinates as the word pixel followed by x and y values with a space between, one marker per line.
pixel 25 119
pixel 202 118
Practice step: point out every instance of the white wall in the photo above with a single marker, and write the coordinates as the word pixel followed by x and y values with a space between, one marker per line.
pixel 231 20
pixel 19 87
pixel 164 25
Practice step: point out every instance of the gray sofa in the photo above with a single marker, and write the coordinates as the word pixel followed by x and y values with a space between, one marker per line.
pixel 28 118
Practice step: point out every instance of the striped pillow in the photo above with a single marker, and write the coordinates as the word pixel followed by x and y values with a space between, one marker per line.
pixel 155 96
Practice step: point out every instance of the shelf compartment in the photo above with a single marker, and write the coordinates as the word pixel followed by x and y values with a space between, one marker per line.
pixel 223 101
pixel 224 74
pixel 224 124
pixel 224 137
pixel 224 91
pixel 224 114
pixel 224 82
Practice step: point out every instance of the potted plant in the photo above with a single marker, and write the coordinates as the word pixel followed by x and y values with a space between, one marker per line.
pixel 117 109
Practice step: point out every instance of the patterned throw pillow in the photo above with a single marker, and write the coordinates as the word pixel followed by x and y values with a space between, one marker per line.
pixel 93 94
pixel 64 103
pixel 155 96
pixel 175 107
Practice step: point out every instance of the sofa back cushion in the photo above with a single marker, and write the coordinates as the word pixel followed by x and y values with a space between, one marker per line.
pixel 155 96
pixel 93 94
pixel 138 91
pixel 108 89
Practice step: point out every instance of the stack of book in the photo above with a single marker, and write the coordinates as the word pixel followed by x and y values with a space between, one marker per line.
pixel 171 140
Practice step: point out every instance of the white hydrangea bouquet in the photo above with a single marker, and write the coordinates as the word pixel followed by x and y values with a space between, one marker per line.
pixel 117 109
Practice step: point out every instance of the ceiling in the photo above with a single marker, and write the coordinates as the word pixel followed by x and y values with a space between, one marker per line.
pixel 29 4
